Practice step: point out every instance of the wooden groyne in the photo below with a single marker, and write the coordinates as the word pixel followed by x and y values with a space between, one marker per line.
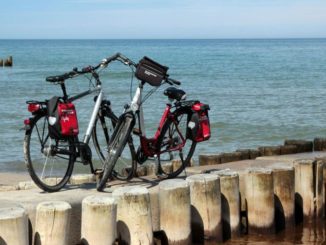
pixel 6 62
pixel 210 204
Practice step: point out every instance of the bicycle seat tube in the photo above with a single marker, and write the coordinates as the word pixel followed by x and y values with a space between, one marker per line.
pixel 94 114
pixel 136 107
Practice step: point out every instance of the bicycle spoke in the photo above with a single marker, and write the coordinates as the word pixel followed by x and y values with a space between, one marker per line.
pixel 175 147
pixel 47 158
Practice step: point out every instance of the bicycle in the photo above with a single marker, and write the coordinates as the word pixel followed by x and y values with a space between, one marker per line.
pixel 51 144
pixel 183 124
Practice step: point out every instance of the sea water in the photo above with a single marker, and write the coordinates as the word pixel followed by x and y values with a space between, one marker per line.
pixel 260 91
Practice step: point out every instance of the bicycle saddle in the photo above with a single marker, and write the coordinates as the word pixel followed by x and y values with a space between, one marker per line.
pixel 175 94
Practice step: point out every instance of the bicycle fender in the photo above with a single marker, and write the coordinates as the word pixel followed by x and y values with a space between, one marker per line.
pixel 121 118
pixel 125 115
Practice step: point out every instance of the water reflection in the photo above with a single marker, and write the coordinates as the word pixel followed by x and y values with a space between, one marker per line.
pixel 310 233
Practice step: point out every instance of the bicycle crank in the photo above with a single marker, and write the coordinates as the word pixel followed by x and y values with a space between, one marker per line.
pixel 85 153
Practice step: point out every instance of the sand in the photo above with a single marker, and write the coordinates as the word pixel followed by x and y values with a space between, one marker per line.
pixel 7 178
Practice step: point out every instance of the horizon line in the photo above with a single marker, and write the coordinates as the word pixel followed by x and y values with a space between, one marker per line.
pixel 226 38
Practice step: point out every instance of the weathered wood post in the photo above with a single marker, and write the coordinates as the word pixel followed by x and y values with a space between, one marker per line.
pixel 260 201
pixel 324 189
pixel 52 223
pixel 13 224
pixel 284 197
pixel 175 214
pixel 99 219
pixel 8 62
pixel 230 194
pixel 209 159
pixel 134 220
pixel 1 62
pixel 176 164
pixel 320 188
pixel 80 179
pixel 304 190
pixel 319 144
pixel 206 216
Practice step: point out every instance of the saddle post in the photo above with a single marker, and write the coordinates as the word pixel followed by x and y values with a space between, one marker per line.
pixel 63 87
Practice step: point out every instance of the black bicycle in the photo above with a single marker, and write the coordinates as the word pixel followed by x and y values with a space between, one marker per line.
pixel 52 145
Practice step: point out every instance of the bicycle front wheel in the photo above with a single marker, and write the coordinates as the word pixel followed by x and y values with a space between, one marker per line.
pixel 49 162
pixel 126 164
pixel 117 144
pixel 175 149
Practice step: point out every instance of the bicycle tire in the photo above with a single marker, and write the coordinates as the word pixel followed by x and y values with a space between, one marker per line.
pixel 48 183
pixel 125 168
pixel 168 140
pixel 118 142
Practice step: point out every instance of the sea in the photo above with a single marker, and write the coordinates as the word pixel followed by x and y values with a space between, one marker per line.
pixel 260 91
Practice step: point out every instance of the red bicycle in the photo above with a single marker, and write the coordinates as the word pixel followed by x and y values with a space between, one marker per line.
pixel 183 124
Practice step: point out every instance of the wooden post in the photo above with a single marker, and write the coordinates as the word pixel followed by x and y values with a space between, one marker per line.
pixel 175 214
pixel 319 144
pixel 230 195
pixel 99 219
pixel 1 62
pixel 209 159
pixel 320 188
pixel 260 201
pixel 52 223
pixel 8 62
pixel 134 219
pixel 13 224
pixel 80 179
pixel 151 168
pixel 206 216
pixel 284 197
pixel 304 189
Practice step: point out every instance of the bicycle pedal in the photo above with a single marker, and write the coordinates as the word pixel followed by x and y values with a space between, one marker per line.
pixel 98 172
pixel 136 131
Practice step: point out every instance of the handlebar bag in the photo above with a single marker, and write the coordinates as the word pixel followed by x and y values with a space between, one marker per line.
pixel 151 72
pixel 62 119
pixel 198 125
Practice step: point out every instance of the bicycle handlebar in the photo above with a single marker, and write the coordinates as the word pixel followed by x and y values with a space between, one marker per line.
pixel 90 69
pixel 104 63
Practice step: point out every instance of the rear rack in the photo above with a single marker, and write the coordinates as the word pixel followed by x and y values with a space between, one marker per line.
pixel 36 102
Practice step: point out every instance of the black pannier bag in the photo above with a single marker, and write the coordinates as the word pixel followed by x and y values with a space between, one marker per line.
pixel 53 118
pixel 151 72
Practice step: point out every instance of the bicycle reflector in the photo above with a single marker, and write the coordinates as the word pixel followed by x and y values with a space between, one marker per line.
pixel 33 107
pixel 27 122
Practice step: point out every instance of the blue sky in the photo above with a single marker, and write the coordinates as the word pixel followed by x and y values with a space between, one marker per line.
pixel 162 19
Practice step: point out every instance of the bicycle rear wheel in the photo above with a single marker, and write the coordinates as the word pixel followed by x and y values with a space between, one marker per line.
pixel 117 144
pixel 49 162
pixel 175 149
pixel 126 164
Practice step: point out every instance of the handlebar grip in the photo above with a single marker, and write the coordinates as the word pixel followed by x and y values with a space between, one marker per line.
pixel 174 81
pixel 111 58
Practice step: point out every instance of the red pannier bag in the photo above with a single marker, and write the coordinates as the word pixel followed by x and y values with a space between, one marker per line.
pixel 199 127
pixel 68 119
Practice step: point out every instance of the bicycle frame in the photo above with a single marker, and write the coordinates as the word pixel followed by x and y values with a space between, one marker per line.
pixel 148 145
pixel 99 99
